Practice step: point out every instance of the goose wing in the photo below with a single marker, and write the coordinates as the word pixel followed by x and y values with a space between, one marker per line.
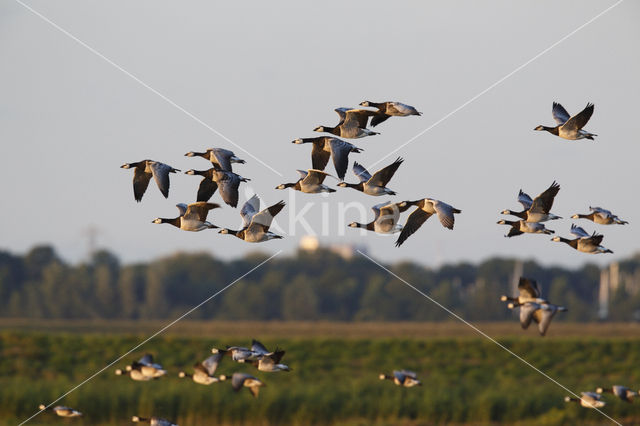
pixel 342 113
pixel 383 176
pixel 379 118
pixel 409 373
pixel 315 177
pixel 229 184
pixel 543 202
pixel 528 288
pixel 526 313
pixel 353 117
pixel 319 157
pixel 579 232
pixel 182 208
pixel 147 359
pixel 140 182
pixel 388 214
pixel 376 209
pixel 361 172
pixel 211 363
pixel 237 380
pixel 602 211
pixel 262 221
pixel 525 200
pixel 579 120
pixel 559 113
pixel 161 175
pixel 340 152
pixel 445 213
pixel 199 210
pixel 414 222
pixel 399 375
pixel 544 317
pixel 596 239
pixel 206 189
pixel 223 158
pixel 249 209
pixel 258 347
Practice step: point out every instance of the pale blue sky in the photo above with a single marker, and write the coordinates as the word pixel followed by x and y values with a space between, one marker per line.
pixel 264 74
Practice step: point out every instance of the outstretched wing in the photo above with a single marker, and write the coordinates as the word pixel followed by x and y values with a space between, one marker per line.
pixel 579 120
pixel 445 213
pixel 379 118
pixel 258 347
pixel 211 363
pixel 161 175
pixel 262 221
pixel 579 231
pixel 525 200
pixel 340 151
pixel 383 176
pixel 140 182
pixel 199 210
pixel 315 177
pixel 543 202
pixel 528 288
pixel 526 313
pixel 223 158
pixel 249 209
pixel 361 172
pixel 414 222
pixel 319 157
pixel 206 189
pixel 559 113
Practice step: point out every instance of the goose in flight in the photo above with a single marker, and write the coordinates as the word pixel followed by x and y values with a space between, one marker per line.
pixel 584 242
pixel 389 109
pixel 587 400
pixel 218 156
pixel 570 127
pixel 405 378
pixel 268 361
pixel 352 125
pixel 203 372
pixel 376 184
pixel 61 410
pixel 520 227
pixel 147 367
pixel 256 224
pixel 153 421
pixel 193 217
pixel 622 392
pixel 385 221
pixel 426 208
pixel 540 313
pixel 325 147
pixel 143 171
pixel 601 217
pixel 215 178
pixel 240 380
pixel 538 209
pixel 310 182
pixel 528 292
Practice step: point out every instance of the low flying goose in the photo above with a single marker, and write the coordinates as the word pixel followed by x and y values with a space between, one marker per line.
pixel 622 392
pixel 310 182
pixel 387 216
pixel 239 380
pixel 153 421
pixel 587 400
pixel 147 367
pixel 352 125
pixel 538 209
pixel 528 292
pixel 376 184
pixel 404 378
pixel 570 127
pixel 426 208
pixel 228 182
pixel 256 224
pixel 62 411
pixel 219 156
pixel 239 353
pixel 143 171
pixel 193 217
pixel 325 147
pixel 203 372
pixel 389 109
pixel 584 242
pixel 540 313
pixel 520 227
pixel 269 361
pixel 601 217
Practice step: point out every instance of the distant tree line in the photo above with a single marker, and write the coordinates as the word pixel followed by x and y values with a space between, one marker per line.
pixel 308 286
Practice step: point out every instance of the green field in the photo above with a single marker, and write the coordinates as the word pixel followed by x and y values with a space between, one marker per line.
pixel 467 379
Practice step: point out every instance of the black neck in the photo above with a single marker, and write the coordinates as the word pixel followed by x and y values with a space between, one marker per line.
pixel 175 222
pixel 358 186
pixel 553 130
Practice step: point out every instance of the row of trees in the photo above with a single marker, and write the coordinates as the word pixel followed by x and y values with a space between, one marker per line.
pixel 307 286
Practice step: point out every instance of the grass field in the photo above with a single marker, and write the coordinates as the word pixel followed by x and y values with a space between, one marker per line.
pixel 467 379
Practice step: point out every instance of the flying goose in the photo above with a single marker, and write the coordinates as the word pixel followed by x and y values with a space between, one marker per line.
pixel 219 156
pixel 404 378
pixel 352 125
pixel 310 182
pixel 621 392
pixel 376 184
pixel 147 367
pixel 538 209
pixel 134 373
pixel 587 400
pixel 601 217
pixel 214 178
pixel 584 242
pixel 520 227
pixel 193 217
pixel 61 410
pixel 389 109
pixel 386 218
pixel 153 421
pixel 203 372
pixel 238 380
pixel 426 208
pixel 540 313
pixel 239 353
pixel 528 292
pixel 256 224
pixel 269 361
pixel 325 147
pixel 570 127
pixel 143 170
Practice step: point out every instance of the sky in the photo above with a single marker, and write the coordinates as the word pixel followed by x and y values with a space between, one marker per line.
pixel 156 79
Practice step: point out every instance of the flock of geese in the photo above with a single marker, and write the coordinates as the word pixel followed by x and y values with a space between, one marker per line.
pixel 354 124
